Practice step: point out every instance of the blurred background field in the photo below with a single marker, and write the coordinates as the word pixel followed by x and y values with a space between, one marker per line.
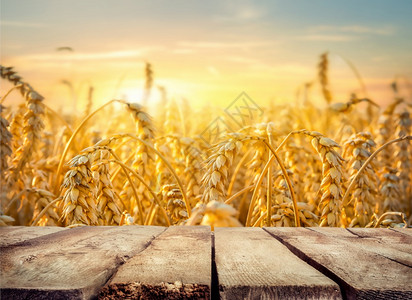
pixel 225 113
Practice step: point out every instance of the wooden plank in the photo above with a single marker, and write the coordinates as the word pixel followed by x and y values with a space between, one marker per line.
pixel 333 232
pixel 384 234
pixel 15 234
pixel 251 264
pixel 407 231
pixel 387 237
pixel 176 265
pixel 73 263
pixel 382 241
pixel 360 269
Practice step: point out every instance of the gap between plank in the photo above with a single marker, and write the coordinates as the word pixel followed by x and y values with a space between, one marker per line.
pixel 346 290
pixel 214 285
pixel 122 260
pixel 394 260
pixel 354 233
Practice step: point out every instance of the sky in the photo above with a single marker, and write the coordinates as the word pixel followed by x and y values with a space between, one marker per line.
pixel 206 51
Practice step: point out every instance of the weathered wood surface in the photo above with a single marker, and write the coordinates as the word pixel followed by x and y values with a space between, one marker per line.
pixel 387 239
pixel 15 234
pixel 364 267
pixel 183 262
pixel 73 263
pixel 176 264
pixel 407 231
pixel 250 264
pixel 385 242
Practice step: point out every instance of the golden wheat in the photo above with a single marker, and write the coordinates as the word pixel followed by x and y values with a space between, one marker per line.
pixel 364 196
pixel 265 174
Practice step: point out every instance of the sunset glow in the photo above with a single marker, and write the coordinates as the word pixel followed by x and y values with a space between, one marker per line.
pixel 205 52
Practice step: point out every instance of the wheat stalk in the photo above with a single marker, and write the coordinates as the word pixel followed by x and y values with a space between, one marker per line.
pixel 148 83
pixel 217 168
pixel 323 77
pixel 5 220
pixel 263 173
pixel 79 204
pixel 331 186
pixel 109 211
pixel 357 149
pixel 5 141
pixel 43 199
pixel 389 213
pixel 256 164
pixel 33 126
pixel 133 172
pixel 144 158
pixel 193 160
pixel 218 214
pixel 403 160
pixel 76 131
pixel 390 191
pixel 172 197
pixel 365 164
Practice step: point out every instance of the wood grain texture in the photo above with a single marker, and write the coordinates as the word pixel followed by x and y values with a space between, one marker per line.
pixel 253 265
pixel 15 234
pixel 407 231
pixel 392 245
pixel 386 238
pixel 178 262
pixel 73 263
pixel 365 268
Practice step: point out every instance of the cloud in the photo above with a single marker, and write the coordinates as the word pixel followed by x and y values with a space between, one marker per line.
pixel 236 11
pixel 212 70
pixel 90 56
pixel 21 24
pixel 294 69
pixel 217 45
pixel 354 29
pixel 242 59
pixel 87 56
pixel 327 38
pixel 183 51
pixel 330 33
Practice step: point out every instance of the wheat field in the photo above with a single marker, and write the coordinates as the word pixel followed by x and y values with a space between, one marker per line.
pixel 342 164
